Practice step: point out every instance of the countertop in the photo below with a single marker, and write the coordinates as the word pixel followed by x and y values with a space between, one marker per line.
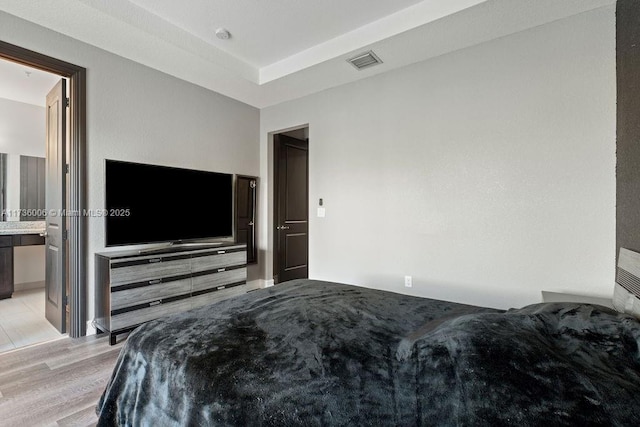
pixel 8 228
pixel 12 232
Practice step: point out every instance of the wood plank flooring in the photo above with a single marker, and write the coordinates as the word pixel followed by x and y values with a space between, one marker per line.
pixel 56 383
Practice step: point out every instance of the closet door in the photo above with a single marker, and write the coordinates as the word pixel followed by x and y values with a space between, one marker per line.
pixel 246 198
pixel 291 208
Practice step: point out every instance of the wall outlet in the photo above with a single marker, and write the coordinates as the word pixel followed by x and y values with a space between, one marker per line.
pixel 408 282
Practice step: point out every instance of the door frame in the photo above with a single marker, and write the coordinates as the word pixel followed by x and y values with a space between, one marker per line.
pixel 76 158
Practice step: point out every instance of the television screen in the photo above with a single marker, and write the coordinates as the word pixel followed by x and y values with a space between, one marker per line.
pixel 149 204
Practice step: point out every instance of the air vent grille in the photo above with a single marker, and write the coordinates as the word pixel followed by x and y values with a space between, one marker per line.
pixel 365 60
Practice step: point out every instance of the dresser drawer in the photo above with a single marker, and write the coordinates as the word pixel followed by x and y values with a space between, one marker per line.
pixel 214 261
pixel 149 293
pixel 146 269
pixel 137 317
pixel 211 297
pixel 215 280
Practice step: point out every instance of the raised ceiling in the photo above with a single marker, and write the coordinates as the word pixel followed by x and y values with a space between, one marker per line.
pixel 265 32
pixel 284 49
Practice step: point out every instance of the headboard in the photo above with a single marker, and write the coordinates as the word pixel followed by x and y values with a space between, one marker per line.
pixel 626 294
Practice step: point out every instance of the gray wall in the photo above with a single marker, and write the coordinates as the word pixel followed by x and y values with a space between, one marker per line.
pixel 628 145
pixel 138 114
pixel 22 128
pixel 487 174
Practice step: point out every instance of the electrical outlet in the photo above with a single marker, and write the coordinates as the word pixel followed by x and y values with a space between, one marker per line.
pixel 408 282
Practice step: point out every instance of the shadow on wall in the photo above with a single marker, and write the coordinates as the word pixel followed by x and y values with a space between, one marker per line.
pixel 485 296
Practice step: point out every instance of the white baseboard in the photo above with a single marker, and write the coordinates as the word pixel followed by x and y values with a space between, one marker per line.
pixel 28 286
pixel 268 283
pixel 91 330
pixel 255 284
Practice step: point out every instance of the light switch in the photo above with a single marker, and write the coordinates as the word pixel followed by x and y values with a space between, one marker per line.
pixel 320 212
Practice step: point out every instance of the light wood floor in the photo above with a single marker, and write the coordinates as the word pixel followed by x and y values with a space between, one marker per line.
pixel 56 383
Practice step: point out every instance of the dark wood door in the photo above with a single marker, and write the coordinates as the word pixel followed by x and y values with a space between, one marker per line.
pixel 291 216
pixel 55 201
pixel 246 197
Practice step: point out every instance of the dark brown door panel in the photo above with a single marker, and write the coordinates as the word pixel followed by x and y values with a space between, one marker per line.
pixel 291 252
pixel 246 203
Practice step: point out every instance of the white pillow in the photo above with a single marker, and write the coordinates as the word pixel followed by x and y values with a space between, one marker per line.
pixel 626 302
pixel 627 287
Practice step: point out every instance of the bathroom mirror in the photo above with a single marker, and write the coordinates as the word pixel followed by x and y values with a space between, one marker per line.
pixel 22 188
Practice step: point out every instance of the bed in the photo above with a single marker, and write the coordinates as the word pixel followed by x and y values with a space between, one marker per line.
pixel 312 353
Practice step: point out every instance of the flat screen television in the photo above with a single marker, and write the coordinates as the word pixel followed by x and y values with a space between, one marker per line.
pixel 153 204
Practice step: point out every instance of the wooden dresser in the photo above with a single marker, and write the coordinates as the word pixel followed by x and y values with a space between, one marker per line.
pixel 134 288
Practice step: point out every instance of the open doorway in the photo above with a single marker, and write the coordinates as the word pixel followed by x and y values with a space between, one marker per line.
pixel 64 235
pixel 23 93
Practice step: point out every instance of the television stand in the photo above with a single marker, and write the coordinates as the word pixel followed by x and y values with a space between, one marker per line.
pixel 132 288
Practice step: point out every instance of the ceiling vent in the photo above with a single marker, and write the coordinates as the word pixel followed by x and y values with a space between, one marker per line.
pixel 365 60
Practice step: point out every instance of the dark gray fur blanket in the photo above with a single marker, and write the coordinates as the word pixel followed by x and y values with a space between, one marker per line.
pixel 309 353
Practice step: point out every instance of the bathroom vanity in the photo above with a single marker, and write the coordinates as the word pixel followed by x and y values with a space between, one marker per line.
pixel 9 239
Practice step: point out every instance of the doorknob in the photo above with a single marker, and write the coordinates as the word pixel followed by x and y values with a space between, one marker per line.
pixel 250 223
pixel 44 234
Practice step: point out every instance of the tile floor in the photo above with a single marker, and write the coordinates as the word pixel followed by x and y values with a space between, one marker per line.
pixel 22 320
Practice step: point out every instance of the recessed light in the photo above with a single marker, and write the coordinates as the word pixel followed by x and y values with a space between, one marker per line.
pixel 223 34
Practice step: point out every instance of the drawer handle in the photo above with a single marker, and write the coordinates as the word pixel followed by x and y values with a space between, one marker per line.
pixel 154 260
pixel 220 270
pixel 155 281
pixel 151 304
pixel 220 288
pixel 222 252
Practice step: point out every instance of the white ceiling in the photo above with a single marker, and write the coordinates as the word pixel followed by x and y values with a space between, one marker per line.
pixel 285 49
pixel 264 32
pixel 25 84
